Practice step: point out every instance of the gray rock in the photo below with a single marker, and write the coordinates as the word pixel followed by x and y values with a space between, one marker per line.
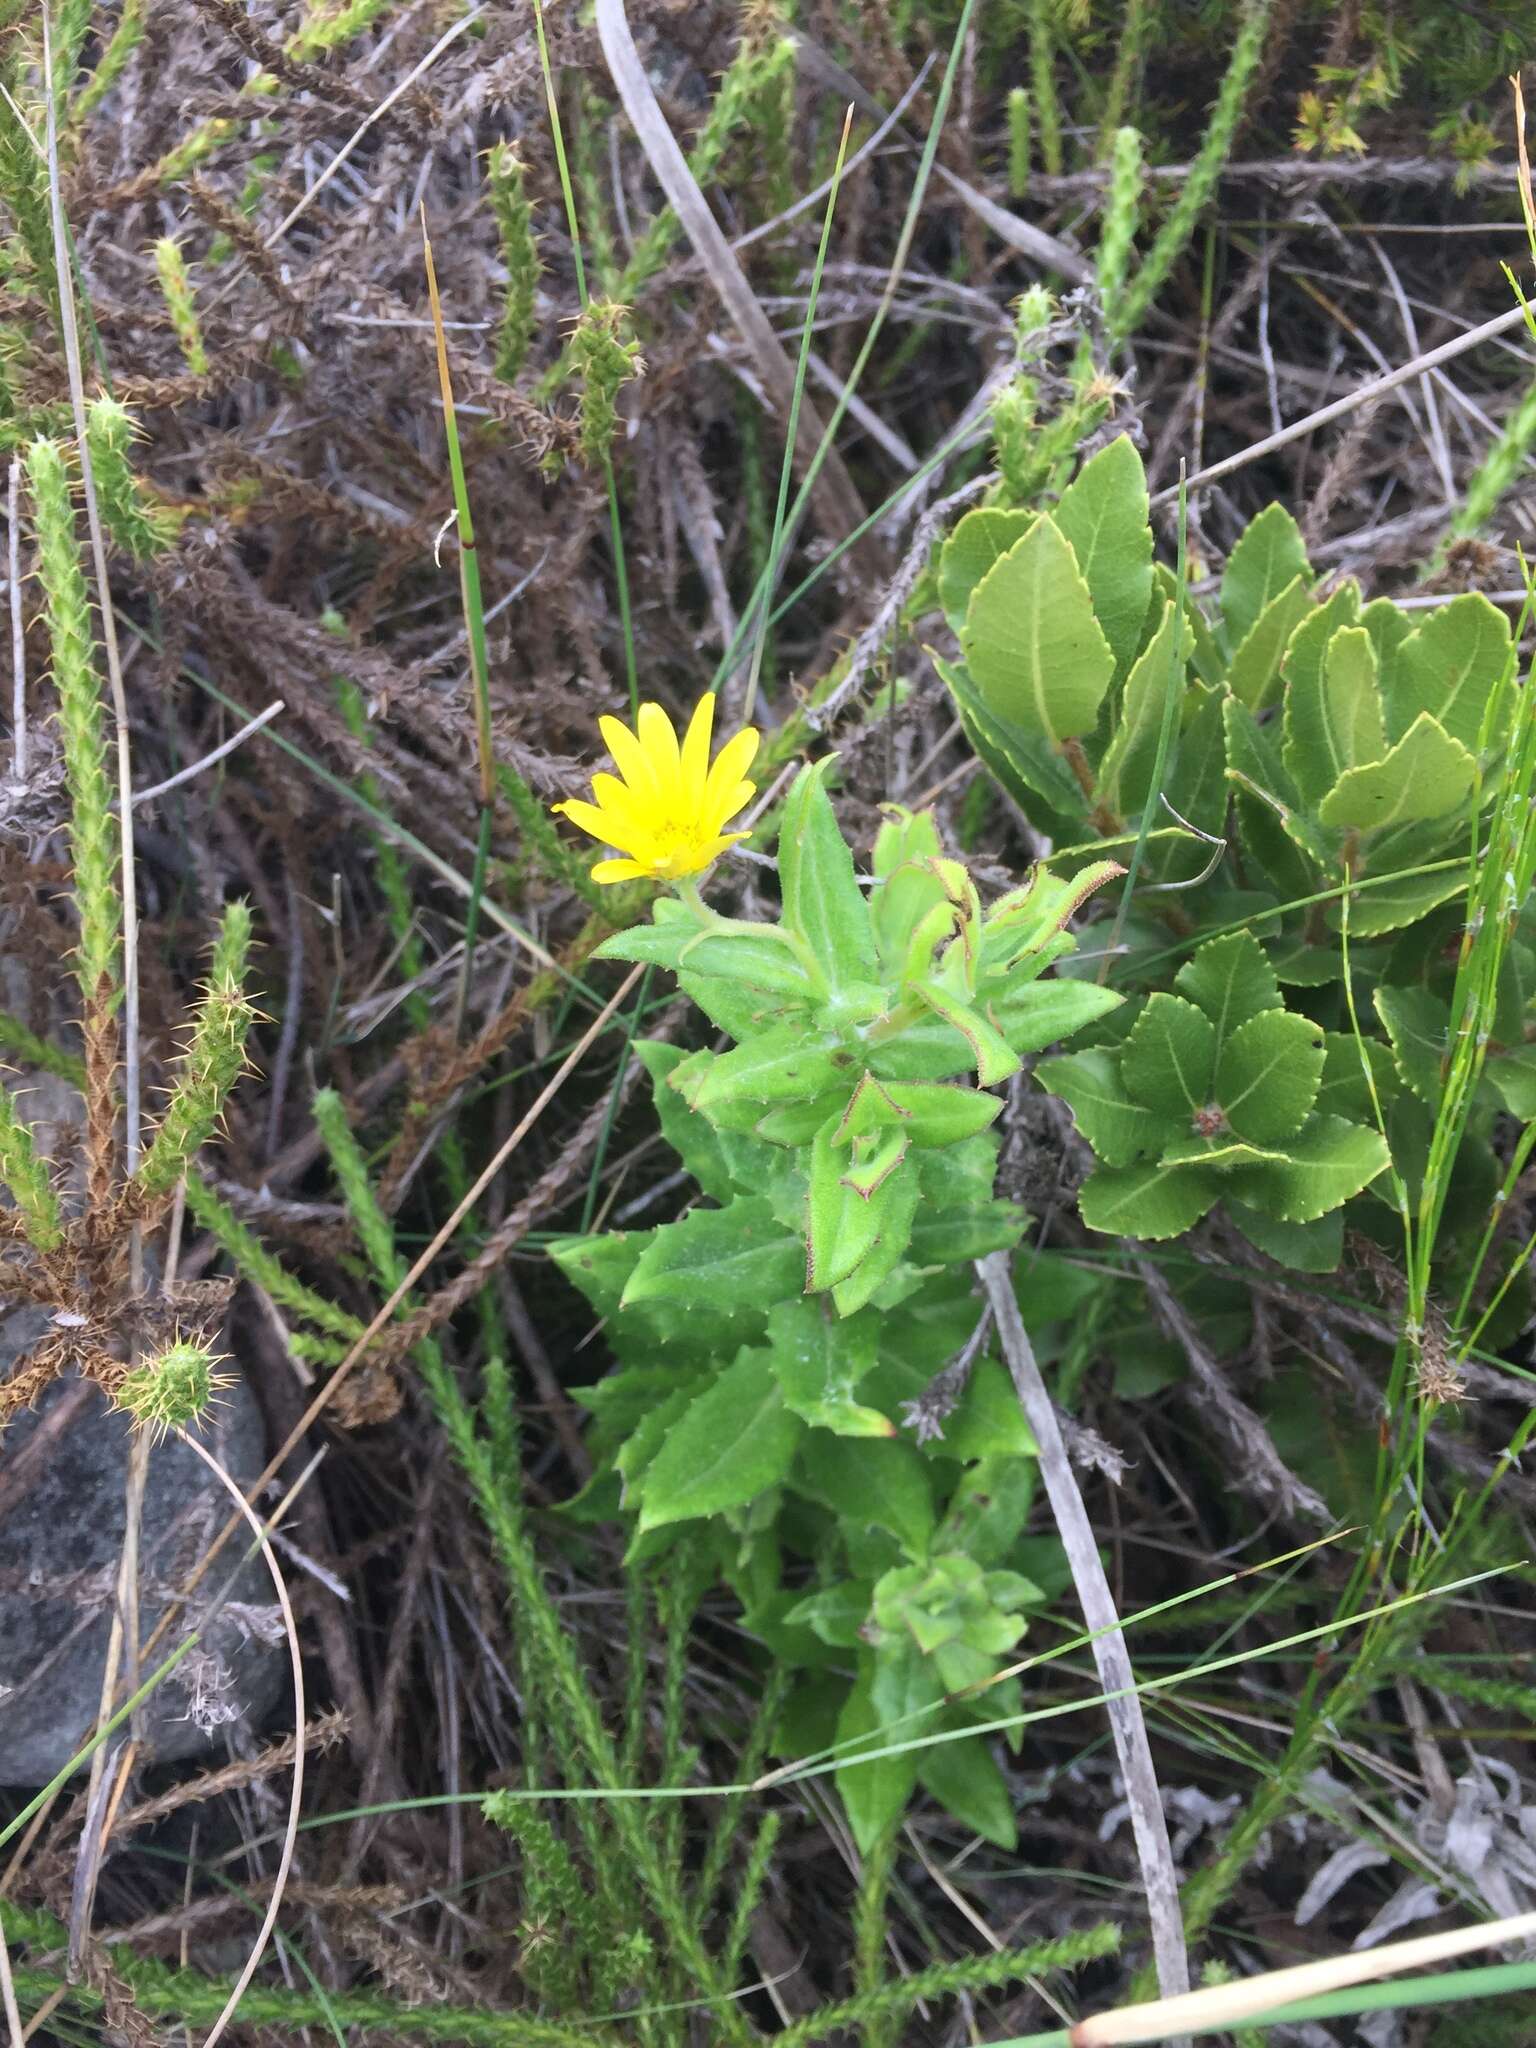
pixel 60 1546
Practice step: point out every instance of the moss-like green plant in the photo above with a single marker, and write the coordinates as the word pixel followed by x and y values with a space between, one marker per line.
pixel 173 1389
pixel 27 1178
pixel 1018 142
pixel 1122 213
pixel 181 303
pixel 607 357
pixel 507 176
pixel 255 1263
pixel 124 40
pixel 139 528
pixel 1042 78
pixel 213 1062
pixel 93 831
pixel 1498 470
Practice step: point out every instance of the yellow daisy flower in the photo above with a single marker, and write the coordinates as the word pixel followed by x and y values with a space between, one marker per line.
pixel 667 815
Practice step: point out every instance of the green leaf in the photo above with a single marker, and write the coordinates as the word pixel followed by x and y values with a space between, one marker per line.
pixel 1254 675
pixel 1417 1024
pixel 1270 555
pixel 842 1224
pixel 756 956
pixel 965 1779
pixel 1268 1075
pixel 895 1206
pixel 739 1259
pixel 1034 649
pixel 988 1422
pixel 1456 666
pixel 1035 1014
pixel 837 1614
pixel 1426 775
pixel 871 1484
pixel 1264 802
pixel 823 903
pixel 980 540
pixel 1219 1153
pixel 1024 763
pixel 1119 1129
pixel 734 1441
pixel 939 1113
pixel 995 1058
pixel 875 1795
pixel 1399 901
pixel 1105 518
pixel 1169 1060
pixel 1315 1247
pixel 601 1266
pixel 691 1136
pixel 1333 721
pixel 819 1362
pixel 1513 1075
pixel 1124 780
pixel 1231 980
pixel 1327 1162
pixel 1148 1200
pixel 785 1063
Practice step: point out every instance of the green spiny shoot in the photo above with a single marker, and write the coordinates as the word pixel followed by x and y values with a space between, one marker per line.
pixel 1122 212
pixel 1042 78
pixel 176 284
pixel 212 1064
pixel 93 831
pixel 256 1264
pixel 1018 142
pixel 507 176
pixel 139 528
pixel 173 1389
pixel 607 357
pixel 124 40
pixel 27 1177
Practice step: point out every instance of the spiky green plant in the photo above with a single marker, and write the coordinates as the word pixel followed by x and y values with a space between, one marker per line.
pixel 1122 214
pixel 93 831
pixel 1018 142
pixel 607 357
pixel 181 303
pixel 26 1175
pixel 124 40
pixel 507 177
pixel 173 1389
pixel 1042 79
pixel 212 1064
pixel 255 1263
pixel 139 528
pixel 1499 468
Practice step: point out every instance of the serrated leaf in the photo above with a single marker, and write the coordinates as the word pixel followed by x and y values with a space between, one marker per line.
pixel 842 1225
pixel 1224 1154
pixel 1105 518
pixel 995 1058
pixel 1458 659
pixel 1268 1075
pixel 1033 648
pixel 1118 1129
pixel 1169 1060
pixel 895 1208
pixel 1303 662
pixel 1417 1024
pixel 756 956
pixel 819 1362
pixel 1035 1014
pixel 1315 1247
pixel 1333 721
pixel 1254 674
pixel 1426 775
pixel 1513 1076
pixel 981 539
pixel 1394 902
pixel 783 1064
pixel 1264 802
pixel 823 903
pixel 1269 555
pixel 692 1137
pixel 1326 1163
pixel 733 1441
pixel 1147 1200
pixel 938 1113
pixel 1231 980
pixel 1124 781
pixel 739 1259
pixel 1196 782
pixel 870 1484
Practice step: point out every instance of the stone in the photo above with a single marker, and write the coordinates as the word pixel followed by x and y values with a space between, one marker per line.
pixel 60 1546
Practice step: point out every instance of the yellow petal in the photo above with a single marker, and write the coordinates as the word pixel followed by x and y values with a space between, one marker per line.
pixel 731 764
pixel 696 750
pixel 659 740
pixel 618 871
pixel 629 756
pixel 635 807
pixel 727 804
pixel 607 829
